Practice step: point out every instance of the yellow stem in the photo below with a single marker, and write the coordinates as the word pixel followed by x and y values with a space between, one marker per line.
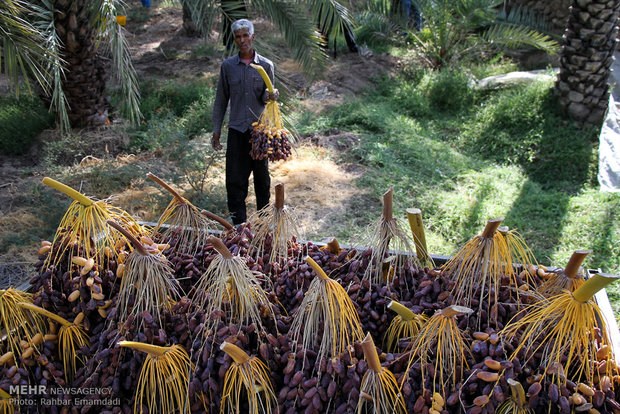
pixel 414 215
pixel 594 284
pixel 405 313
pixel 517 392
pixel 370 352
pixel 317 268
pixel 264 75
pixel 4 395
pixel 237 354
pixel 454 310
pixel 45 312
pixel 74 194
pixel 153 350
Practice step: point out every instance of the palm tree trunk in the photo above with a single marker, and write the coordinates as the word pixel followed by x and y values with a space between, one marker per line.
pixel 587 53
pixel 85 70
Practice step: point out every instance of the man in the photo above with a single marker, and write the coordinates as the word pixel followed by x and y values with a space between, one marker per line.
pixel 243 86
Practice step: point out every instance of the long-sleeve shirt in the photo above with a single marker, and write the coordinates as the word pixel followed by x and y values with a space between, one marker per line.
pixel 243 86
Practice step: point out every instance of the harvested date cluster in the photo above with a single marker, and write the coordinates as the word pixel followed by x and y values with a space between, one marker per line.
pixel 489 382
pixel 270 143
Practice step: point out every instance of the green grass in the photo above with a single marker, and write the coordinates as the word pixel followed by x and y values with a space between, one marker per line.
pixel 476 157
pixel 21 121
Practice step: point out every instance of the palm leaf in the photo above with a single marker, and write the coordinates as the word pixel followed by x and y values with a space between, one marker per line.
pixel 512 35
pixel 299 31
pixel 22 47
pixel 111 35
pixel 45 25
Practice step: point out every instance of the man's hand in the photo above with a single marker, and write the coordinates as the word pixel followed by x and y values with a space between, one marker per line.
pixel 273 96
pixel 215 141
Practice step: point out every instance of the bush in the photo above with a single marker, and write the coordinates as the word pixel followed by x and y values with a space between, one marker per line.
pixel 447 90
pixel 173 97
pixel 21 121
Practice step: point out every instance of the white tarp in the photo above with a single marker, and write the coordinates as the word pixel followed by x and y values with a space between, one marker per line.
pixel 609 150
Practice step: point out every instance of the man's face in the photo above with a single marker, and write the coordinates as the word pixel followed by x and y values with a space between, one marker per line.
pixel 244 40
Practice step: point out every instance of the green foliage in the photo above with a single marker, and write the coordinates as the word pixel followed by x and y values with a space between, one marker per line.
pixel 21 120
pixel 448 90
pixel 171 96
pixel 505 153
pixel 457 29
pixel 520 126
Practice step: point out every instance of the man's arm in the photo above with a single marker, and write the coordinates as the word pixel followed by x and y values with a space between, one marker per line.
pixel 222 95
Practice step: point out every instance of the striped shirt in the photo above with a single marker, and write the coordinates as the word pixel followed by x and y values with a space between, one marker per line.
pixel 243 87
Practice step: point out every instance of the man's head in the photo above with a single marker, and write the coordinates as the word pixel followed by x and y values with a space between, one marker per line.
pixel 243 31
pixel 243 24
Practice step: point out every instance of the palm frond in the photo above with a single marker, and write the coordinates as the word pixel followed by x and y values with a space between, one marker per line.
pixel 331 16
pixel 299 31
pixel 45 24
pixel 22 47
pixel 512 35
pixel 204 13
pixel 116 42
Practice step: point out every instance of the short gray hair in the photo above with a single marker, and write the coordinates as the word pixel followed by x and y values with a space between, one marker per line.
pixel 242 24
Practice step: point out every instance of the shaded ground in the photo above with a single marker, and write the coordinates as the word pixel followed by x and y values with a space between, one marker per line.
pixel 319 189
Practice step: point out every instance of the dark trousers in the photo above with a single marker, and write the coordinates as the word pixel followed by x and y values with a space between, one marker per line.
pixel 239 165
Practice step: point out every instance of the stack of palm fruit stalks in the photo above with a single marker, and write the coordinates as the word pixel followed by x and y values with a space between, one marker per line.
pixel 211 328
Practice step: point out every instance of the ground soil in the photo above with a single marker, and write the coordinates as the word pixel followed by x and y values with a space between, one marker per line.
pixel 317 187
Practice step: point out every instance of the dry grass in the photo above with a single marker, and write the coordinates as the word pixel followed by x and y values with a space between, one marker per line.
pixel 317 187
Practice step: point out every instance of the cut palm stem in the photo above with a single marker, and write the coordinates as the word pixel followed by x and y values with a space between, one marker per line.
pixel 229 280
pixel 405 324
pixel 441 339
pixel 275 228
pixel 332 246
pixel 414 216
pixel 250 376
pixel 380 234
pixel 71 337
pixel 183 218
pixel 516 403
pixel 565 328
pixel 212 216
pixel 6 403
pixel 17 324
pixel 148 283
pixel 326 312
pixel 567 279
pixel 164 378
pixel 84 223
pixel 479 266
pixel 379 385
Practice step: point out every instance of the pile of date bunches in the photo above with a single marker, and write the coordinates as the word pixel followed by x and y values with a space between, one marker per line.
pixel 302 384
